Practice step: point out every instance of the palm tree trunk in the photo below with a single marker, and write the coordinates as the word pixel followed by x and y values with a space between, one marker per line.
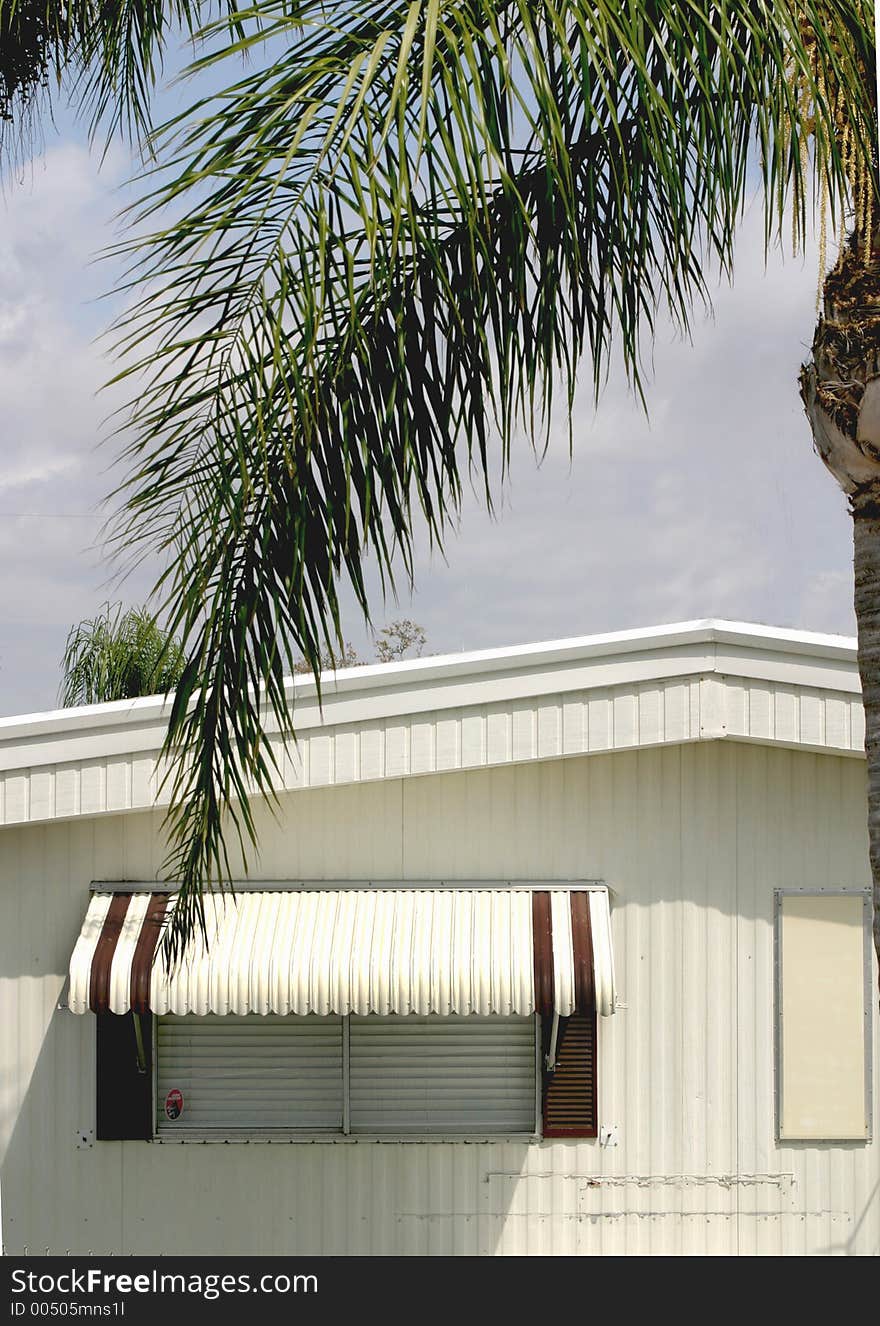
pixel 866 548
pixel 840 388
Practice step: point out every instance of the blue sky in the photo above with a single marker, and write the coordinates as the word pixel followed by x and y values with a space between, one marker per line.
pixel 714 506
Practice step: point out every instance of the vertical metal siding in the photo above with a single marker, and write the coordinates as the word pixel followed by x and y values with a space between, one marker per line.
pixel 93 777
pixel 695 839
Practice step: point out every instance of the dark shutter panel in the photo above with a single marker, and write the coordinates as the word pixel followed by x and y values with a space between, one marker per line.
pixel 570 1091
pixel 125 1086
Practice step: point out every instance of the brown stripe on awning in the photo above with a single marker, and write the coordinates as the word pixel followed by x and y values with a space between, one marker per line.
pixel 145 949
pixel 582 948
pixel 102 960
pixel 542 940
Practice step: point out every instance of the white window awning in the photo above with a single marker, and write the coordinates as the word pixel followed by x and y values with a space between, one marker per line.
pixel 384 950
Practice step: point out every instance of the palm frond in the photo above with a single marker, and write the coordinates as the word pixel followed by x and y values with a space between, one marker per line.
pixel 393 244
pixel 118 655
pixel 105 58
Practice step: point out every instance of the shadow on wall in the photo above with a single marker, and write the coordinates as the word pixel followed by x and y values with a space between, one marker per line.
pixel 66 1197
pixel 63 1196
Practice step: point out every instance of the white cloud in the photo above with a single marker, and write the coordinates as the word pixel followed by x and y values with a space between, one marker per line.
pixel 714 505
pixel 52 472
pixel 827 601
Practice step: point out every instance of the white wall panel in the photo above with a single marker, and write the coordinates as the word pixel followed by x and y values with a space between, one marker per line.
pixel 693 839
pixel 652 713
pixel 821 1013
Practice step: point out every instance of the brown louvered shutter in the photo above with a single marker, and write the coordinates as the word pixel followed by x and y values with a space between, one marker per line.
pixel 570 1091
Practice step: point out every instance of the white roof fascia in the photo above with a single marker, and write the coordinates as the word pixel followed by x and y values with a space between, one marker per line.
pixel 456 681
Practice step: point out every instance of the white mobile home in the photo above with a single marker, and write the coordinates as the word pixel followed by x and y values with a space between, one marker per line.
pixel 558 949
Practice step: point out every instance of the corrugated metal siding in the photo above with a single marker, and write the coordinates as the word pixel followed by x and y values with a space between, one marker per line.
pixel 401 951
pixel 243 1073
pixel 489 734
pixel 341 951
pixel 443 1075
pixel 694 839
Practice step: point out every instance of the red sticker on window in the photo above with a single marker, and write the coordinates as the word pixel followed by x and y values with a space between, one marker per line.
pixel 174 1104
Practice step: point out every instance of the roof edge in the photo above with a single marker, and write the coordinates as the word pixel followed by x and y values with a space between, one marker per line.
pixel 753 637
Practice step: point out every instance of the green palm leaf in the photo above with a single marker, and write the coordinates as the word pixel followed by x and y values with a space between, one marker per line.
pixel 106 58
pixel 388 240
pixel 119 655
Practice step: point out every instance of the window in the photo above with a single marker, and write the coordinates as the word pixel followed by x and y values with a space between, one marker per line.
pixel 442 1075
pixel 259 1076
pixel 511 961
pixel 247 1073
pixel 822 1016
pixel 368 1075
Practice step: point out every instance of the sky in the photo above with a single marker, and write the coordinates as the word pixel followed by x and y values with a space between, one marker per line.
pixel 713 505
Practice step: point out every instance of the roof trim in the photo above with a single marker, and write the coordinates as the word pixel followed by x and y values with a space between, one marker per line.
pixel 375 676
pixel 694 681
pixel 347 885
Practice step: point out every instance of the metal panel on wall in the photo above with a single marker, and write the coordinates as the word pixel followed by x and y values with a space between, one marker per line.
pixel 823 966
pixel 245 1073
pixel 443 1075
